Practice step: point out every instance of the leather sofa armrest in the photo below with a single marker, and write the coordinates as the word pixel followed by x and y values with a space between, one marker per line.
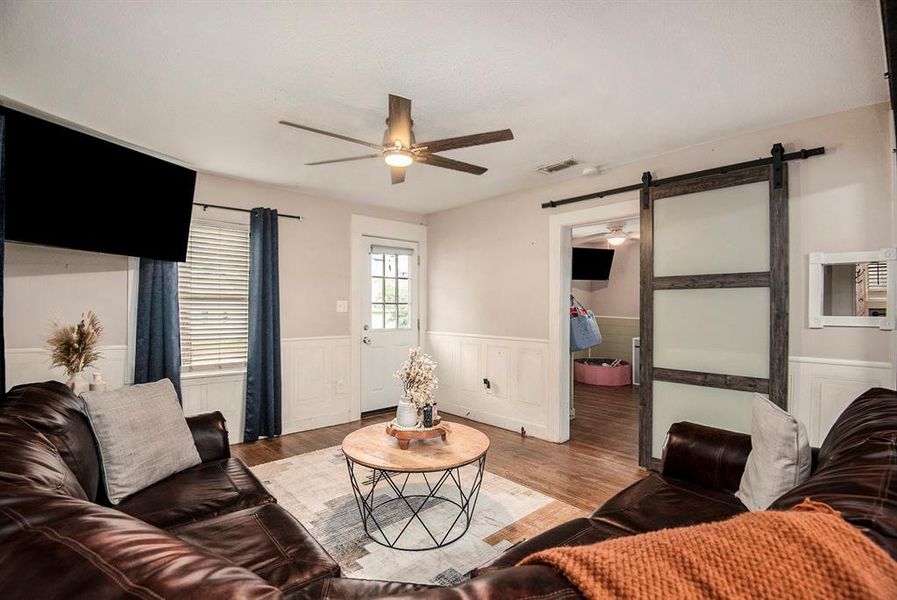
pixel 705 456
pixel 210 436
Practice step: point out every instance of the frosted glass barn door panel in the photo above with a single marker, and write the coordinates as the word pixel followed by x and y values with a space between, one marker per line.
pixel 713 330
pixel 716 407
pixel 723 230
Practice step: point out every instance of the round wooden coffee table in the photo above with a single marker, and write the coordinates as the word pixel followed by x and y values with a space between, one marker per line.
pixel 397 507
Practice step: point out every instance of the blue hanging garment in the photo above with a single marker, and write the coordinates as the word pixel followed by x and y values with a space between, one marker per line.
pixel 584 332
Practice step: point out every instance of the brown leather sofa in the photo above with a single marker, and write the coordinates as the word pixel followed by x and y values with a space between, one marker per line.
pixel 214 532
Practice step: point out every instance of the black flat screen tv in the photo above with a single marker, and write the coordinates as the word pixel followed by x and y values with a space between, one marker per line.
pixel 592 263
pixel 73 190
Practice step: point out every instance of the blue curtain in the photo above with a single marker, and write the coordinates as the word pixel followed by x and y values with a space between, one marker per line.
pixel 263 385
pixel 158 352
pixel 2 248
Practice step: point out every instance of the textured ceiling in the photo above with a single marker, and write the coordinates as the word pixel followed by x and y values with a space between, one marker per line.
pixel 604 82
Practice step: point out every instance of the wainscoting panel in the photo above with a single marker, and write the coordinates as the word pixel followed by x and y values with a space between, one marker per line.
pixel 29 365
pixel 821 388
pixel 517 370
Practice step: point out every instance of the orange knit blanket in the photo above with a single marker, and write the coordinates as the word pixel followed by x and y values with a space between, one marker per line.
pixel 807 552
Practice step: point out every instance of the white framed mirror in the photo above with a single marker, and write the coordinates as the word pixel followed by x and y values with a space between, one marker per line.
pixel 852 289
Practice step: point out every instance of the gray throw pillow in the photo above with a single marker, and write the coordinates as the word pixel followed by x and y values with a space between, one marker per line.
pixel 142 435
pixel 780 457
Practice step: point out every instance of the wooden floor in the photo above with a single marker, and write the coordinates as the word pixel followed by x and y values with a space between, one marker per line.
pixel 600 459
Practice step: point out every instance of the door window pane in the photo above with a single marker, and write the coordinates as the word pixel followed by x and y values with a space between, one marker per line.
pixel 391 316
pixel 376 289
pixel 390 291
pixel 377 264
pixel 390 265
pixel 377 316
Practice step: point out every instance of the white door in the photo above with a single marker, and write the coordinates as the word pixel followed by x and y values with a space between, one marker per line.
pixel 389 318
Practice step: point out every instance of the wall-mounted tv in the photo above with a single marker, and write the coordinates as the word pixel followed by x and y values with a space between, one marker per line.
pixel 592 263
pixel 69 189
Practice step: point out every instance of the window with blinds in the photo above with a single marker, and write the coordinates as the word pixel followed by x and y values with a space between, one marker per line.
pixel 878 275
pixel 213 290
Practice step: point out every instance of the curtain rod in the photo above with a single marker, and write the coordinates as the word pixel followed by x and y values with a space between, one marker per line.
pixel 245 210
pixel 799 155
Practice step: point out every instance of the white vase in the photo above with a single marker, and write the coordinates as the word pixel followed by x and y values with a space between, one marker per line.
pixel 78 383
pixel 406 414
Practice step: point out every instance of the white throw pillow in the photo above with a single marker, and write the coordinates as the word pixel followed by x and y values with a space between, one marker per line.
pixel 142 435
pixel 780 457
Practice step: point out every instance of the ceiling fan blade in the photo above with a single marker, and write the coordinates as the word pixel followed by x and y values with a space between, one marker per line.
pixel 448 163
pixel 339 160
pixel 397 174
pixel 476 139
pixel 399 120
pixel 331 134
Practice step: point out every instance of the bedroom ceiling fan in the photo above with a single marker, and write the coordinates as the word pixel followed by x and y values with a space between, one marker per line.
pixel 399 148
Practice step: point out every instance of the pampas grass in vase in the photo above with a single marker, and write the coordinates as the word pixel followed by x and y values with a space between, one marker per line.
pixel 74 348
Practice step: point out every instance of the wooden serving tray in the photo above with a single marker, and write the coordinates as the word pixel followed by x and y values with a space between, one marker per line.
pixel 404 436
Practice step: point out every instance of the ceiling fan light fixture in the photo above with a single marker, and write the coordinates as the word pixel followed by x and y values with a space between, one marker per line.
pixel 398 158
pixel 616 237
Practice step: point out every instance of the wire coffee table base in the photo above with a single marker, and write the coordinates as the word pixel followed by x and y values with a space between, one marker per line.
pixel 438 484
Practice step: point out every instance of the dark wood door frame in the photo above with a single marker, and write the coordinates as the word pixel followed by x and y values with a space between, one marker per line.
pixel 776 279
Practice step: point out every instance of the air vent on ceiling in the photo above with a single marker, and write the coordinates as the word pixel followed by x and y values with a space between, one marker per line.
pixel 560 166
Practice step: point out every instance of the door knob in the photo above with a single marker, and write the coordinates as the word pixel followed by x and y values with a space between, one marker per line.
pixel 366 340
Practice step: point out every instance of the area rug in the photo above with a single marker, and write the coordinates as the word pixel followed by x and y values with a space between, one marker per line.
pixel 315 488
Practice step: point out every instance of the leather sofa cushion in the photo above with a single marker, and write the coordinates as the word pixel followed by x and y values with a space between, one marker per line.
pixel 861 485
pixel 29 459
pixel 531 582
pixel 53 409
pixel 59 547
pixel 577 532
pixel 201 492
pixel 658 502
pixel 874 413
pixel 268 541
pixel 338 588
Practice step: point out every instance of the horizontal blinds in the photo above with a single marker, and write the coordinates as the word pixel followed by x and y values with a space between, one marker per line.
pixel 213 289
pixel 878 275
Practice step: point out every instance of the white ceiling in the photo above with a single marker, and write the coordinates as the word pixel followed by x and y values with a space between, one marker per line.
pixel 604 82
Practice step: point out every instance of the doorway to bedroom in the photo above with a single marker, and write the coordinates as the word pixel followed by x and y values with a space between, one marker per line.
pixel 604 341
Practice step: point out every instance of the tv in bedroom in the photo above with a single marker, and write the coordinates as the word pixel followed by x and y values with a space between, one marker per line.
pixel 592 263
pixel 73 190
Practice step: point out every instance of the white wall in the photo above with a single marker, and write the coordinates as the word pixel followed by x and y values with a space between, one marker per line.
pixel 42 284
pixel 496 249
pixel 618 296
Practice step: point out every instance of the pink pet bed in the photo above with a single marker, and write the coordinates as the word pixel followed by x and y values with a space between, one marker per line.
pixel 597 371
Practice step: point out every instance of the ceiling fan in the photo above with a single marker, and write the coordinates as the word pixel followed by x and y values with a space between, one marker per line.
pixel 399 148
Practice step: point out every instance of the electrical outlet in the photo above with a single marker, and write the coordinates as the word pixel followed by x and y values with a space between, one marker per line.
pixel 342 306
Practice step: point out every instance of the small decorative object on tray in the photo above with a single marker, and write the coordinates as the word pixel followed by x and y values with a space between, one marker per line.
pixel 404 435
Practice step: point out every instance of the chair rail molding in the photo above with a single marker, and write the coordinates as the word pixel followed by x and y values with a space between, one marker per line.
pixel 517 372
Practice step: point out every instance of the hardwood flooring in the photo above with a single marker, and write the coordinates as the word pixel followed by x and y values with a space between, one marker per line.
pixel 600 459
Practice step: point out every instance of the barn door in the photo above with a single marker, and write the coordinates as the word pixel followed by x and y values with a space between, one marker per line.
pixel 714 295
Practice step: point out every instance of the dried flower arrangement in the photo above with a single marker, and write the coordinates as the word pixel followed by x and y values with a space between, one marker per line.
pixel 418 377
pixel 75 346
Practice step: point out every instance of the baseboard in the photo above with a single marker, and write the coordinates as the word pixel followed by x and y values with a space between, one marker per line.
pixel 535 430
